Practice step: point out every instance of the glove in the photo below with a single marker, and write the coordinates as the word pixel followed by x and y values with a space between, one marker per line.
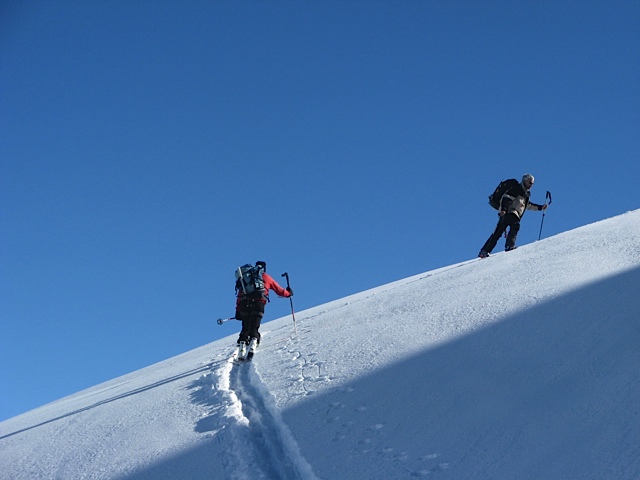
pixel 290 291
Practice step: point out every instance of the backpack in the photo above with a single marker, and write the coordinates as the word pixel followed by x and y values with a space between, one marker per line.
pixel 249 280
pixel 501 189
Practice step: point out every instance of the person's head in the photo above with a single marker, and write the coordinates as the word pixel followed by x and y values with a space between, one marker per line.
pixel 262 264
pixel 528 180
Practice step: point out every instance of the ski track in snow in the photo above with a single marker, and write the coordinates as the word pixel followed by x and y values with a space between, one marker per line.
pixel 246 422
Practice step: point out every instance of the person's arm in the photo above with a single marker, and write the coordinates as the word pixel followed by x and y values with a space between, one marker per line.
pixel 271 284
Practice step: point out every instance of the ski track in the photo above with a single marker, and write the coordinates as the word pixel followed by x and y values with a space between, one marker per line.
pixel 258 442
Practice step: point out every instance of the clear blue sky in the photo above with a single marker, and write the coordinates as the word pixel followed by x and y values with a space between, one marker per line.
pixel 148 148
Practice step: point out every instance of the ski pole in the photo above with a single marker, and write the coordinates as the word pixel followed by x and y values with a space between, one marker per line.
pixel 222 320
pixel 548 197
pixel 295 327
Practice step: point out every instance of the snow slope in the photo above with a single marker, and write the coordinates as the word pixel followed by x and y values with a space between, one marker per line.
pixel 521 366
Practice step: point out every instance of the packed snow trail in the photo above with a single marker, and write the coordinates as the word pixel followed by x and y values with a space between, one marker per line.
pixel 258 442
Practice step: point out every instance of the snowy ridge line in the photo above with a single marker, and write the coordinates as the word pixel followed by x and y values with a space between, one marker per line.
pixel 367 294
pixel 442 270
pixel 265 447
pixel 110 399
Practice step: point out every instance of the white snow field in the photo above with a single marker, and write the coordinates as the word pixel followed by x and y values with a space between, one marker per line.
pixel 525 365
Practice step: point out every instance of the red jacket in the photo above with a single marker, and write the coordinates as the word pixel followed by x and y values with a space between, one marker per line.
pixel 269 284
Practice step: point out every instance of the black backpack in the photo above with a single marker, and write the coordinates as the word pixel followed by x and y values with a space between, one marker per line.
pixel 249 280
pixel 501 189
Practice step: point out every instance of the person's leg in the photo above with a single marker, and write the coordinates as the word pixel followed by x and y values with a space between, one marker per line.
pixel 514 227
pixel 243 337
pixel 491 242
pixel 254 326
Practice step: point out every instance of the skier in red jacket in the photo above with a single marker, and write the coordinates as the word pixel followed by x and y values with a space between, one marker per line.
pixel 250 308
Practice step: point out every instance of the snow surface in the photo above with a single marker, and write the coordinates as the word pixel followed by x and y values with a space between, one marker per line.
pixel 521 366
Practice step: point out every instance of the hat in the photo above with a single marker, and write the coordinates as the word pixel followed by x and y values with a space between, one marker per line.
pixel 262 264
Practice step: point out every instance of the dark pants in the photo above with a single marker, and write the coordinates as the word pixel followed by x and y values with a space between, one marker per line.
pixel 251 315
pixel 510 221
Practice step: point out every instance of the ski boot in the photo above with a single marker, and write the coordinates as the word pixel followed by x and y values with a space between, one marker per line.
pixel 241 353
pixel 253 345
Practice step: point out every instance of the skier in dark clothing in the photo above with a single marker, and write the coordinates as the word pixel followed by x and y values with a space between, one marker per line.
pixel 250 308
pixel 513 204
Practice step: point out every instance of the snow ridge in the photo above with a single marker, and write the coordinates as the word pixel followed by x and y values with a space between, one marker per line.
pixel 469 371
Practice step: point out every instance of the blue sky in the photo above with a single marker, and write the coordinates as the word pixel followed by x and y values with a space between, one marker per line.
pixel 149 148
